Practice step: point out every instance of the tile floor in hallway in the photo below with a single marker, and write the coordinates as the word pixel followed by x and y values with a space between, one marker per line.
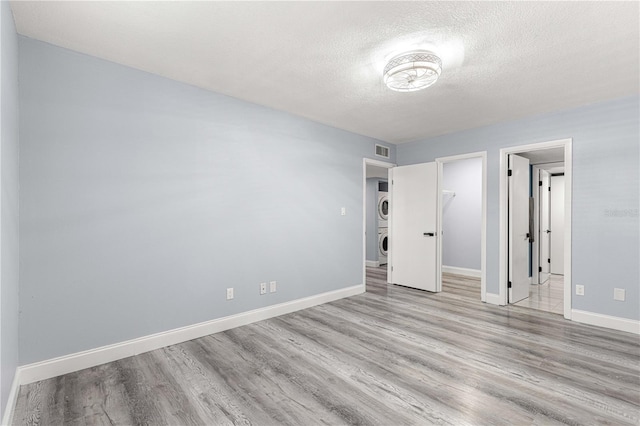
pixel 548 297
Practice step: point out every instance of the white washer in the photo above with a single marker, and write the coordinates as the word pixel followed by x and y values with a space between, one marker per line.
pixel 383 209
pixel 383 244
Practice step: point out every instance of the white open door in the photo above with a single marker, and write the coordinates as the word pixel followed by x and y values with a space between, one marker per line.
pixel 412 225
pixel 518 228
pixel 545 226
pixel 557 225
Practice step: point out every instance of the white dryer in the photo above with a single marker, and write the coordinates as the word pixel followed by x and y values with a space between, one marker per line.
pixel 383 243
pixel 383 209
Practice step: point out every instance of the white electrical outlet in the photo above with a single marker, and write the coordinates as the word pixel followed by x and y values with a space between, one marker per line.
pixel 230 293
pixel 618 294
pixel 272 286
pixel 343 211
pixel 263 288
pixel 580 290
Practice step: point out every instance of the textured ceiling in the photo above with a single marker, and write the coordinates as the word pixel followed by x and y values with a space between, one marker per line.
pixel 323 60
pixel 544 156
pixel 377 172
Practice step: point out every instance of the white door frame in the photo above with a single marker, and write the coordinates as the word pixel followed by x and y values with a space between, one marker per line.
pixel 365 163
pixel 483 232
pixel 504 153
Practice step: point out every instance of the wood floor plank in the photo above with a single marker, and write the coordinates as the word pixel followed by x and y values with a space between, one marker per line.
pixel 391 356
pixel 198 385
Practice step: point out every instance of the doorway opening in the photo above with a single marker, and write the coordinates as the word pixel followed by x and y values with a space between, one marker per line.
pixel 462 188
pixel 546 255
pixel 376 206
pixel 415 223
pixel 535 226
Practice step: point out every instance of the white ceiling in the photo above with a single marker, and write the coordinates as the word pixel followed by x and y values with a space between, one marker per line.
pixel 377 172
pixel 323 60
pixel 544 156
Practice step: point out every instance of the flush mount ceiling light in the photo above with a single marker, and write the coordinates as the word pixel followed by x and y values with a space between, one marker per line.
pixel 412 71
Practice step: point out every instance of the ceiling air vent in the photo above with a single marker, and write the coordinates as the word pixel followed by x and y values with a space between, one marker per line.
pixel 382 151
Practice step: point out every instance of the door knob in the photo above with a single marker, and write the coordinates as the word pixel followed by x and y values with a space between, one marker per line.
pixel 429 234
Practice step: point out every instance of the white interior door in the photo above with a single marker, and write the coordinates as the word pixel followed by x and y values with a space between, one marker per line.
pixel 545 226
pixel 412 222
pixel 557 225
pixel 518 228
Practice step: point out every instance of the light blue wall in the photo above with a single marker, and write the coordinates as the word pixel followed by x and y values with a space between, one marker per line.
pixel 372 219
pixel 605 232
pixel 143 199
pixel 8 203
pixel 462 214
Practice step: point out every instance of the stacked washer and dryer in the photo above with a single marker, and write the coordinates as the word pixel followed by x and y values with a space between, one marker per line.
pixel 383 217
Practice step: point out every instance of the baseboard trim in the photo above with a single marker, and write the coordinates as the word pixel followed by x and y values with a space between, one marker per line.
pixel 7 417
pixel 493 299
pixel 78 361
pixel 372 263
pixel 475 273
pixel 607 321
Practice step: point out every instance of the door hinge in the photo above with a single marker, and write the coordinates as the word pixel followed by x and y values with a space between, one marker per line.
pixel 548 260
pixel 540 183
pixel 549 188
pixel 509 172
pixel 509 284
pixel 539 268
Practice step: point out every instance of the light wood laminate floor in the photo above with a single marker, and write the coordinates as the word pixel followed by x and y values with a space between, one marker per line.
pixel 391 356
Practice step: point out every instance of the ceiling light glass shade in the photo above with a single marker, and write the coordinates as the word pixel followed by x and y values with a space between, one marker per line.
pixel 412 71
